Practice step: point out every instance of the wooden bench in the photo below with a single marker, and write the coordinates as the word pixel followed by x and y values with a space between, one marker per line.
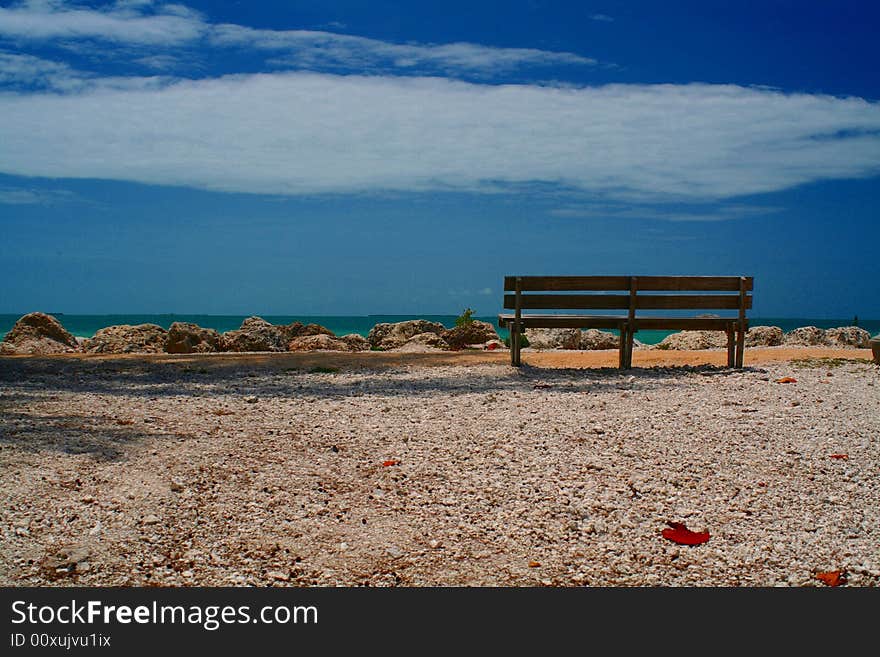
pixel 631 296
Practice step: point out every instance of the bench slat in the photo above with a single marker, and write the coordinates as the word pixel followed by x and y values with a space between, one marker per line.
pixel 569 301
pixel 686 323
pixel 614 283
pixel 566 321
pixel 692 283
pixel 692 302
pixel 611 321
pixel 619 301
pixel 567 283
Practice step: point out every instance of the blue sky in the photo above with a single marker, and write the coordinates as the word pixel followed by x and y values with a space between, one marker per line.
pixel 377 157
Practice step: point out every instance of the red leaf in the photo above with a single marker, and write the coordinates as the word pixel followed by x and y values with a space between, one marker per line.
pixel 684 536
pixel 492 346
pixel 842 457
pixel 832 577
pixel 389 462
pixel 787 379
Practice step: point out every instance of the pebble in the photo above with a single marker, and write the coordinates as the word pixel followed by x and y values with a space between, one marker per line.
pixel 570 469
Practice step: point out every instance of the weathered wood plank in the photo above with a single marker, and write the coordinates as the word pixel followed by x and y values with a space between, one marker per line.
pixel 615 283
pixel 569 301
pixel 731 347
pixel 567 283
pixel 691 302
pixel 564 321
pixel 684 323
pixel 693 283
pixel 619 301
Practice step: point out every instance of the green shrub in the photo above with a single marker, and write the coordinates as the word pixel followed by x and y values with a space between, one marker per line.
pixel 465 318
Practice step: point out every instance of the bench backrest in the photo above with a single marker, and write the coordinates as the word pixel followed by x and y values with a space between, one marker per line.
pixel 634 292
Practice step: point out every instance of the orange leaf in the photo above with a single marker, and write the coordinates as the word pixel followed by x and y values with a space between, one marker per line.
pixel 534 564
pixel 389 462
pixel 842 457
pixel 787 379
pixel 832 577
pixel 680 534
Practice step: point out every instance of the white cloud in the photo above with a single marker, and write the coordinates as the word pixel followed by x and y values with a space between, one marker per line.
pixel 158 62
pixel 300 133
pixel 24 196
pixel 125 22
pixel 678 213
pixel 17 70
pixel 142 23
pixel 26 72
pixel 313 49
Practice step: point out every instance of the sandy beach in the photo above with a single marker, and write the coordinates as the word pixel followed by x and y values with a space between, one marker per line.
pixel 381 469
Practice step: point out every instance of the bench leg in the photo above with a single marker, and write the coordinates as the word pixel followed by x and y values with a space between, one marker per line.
pixel 740 347
pixel 731 348
pixel 621 357
pixel 518 348
pixel 514 346
pixel 630 334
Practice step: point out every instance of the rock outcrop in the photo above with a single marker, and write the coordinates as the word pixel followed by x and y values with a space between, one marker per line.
pixel 38 333
pixel 422 342
pixel 128 339
pixel 324 342
pixel 185 338
pixel 550 338
pixel 805 336
pixel 386 336
pixel 694 340
pixel 474 332
pixel 848 336
pixel 256 334
pixel 298 330
pixel 764 336
pixel 356 342
pixel 593 339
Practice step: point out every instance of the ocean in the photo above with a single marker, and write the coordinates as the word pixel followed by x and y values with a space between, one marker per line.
pixel 86 325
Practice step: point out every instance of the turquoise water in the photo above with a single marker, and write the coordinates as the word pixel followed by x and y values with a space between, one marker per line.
pixel 86 325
